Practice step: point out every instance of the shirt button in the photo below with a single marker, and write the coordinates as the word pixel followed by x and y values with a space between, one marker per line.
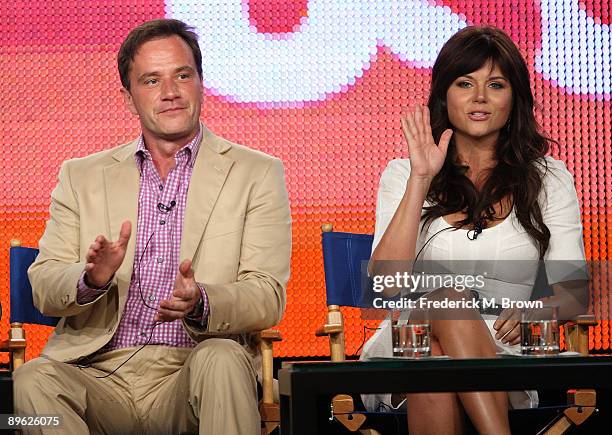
pixel 162 222
pixel 143 334
pixel 161 187
pixel 160 259
pixel 151 297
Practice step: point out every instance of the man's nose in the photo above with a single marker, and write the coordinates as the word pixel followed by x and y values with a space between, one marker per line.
pixel 169 89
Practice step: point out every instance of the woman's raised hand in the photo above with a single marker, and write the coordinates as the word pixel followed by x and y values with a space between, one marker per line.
pixel 426 158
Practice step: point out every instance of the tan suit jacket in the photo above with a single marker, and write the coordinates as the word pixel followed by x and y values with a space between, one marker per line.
pixel 237 231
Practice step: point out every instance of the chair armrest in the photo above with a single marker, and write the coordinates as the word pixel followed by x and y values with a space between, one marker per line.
pixel 15 345
pixel 270 335
pixel 585 319
pixel 577 333
pixel 326 330
pixel 334 328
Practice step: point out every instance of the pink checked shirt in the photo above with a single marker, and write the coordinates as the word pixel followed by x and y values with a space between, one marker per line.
pixel 156 260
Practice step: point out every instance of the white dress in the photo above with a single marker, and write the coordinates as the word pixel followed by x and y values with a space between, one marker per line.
pixel 505 241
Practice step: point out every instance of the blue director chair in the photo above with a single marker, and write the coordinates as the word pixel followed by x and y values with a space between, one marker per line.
pixel 22 306
pixel 345 258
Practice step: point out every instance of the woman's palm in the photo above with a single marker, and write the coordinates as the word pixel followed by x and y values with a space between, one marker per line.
pixel 426 158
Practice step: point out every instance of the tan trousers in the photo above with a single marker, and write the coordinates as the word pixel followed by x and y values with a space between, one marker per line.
pixel 210 389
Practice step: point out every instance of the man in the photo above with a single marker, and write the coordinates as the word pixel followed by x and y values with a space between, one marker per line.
pixel 148 343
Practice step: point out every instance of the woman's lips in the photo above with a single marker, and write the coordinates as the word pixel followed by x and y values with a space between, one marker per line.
pixel 479 116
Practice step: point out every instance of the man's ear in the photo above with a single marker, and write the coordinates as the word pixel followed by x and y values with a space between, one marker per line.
pixel 129 102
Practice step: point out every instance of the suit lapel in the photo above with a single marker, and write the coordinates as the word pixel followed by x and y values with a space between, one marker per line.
pixel 207 179
pixel 122 183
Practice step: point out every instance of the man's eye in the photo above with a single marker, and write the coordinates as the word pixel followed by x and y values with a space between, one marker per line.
pixel 150 81
pixel 184 76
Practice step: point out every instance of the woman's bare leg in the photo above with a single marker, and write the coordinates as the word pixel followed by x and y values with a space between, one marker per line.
pixel 488 410
pixel 435 413
pixel 465 335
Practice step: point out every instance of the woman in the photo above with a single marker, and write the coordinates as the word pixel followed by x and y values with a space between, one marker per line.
pixel 477 185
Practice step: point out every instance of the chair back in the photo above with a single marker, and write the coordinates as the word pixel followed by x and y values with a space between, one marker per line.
pixel 345 258
pixel 22 305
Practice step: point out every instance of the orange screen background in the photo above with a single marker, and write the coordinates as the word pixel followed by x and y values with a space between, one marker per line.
pixel 61 100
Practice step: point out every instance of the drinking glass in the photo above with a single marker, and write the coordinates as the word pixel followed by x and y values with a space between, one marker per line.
pixel 540 331
pixel 411 337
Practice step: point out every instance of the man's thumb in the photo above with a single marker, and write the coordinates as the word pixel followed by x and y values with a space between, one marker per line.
pixel 185 269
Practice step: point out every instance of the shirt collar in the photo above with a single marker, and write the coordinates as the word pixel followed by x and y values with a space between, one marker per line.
pixel 191 149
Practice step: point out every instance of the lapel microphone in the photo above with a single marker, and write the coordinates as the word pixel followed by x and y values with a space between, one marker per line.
pixel 478 227
pixel 166 208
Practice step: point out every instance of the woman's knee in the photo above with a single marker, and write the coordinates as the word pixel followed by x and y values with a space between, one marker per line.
pixel 436 348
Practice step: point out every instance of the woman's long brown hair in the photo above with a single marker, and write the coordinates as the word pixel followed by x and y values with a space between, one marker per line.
pixel 520 147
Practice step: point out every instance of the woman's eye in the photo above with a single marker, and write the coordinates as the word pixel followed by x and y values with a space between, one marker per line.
pixel 464 84
pixel 496 85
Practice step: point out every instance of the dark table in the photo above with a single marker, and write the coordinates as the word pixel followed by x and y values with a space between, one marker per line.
pixel 302 383
pixel 6 392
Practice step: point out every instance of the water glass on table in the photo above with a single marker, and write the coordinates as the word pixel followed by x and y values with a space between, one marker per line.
pixel 540 331
pixel 410 331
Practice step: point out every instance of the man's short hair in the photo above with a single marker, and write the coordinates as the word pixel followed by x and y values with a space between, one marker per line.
pixel 148 31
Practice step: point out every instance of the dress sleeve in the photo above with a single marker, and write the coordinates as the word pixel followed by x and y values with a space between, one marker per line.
pixel 390 191
pixel 565 259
